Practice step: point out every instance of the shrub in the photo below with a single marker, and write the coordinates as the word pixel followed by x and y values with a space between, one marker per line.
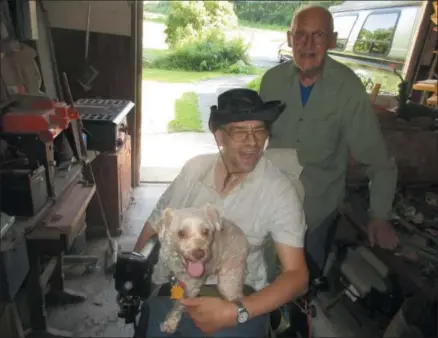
pixel 272 12
pixel 189 19
pixel 240 67
pixel 211 52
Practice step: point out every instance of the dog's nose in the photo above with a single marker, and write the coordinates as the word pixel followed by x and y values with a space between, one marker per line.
pixel 198 254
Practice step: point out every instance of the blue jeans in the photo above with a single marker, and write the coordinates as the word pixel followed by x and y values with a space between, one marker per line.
pixel 159 307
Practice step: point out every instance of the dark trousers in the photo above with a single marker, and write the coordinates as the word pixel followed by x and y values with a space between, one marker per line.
pixel 318 243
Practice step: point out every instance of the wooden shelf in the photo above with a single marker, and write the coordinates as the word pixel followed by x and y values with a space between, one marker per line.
pixel 64 219
pixel 427 86
pixel 432 101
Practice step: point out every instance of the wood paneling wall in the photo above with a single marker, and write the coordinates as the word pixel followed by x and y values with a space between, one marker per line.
pixel 110 54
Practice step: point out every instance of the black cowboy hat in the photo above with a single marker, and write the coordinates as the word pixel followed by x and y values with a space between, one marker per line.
pixel 241 104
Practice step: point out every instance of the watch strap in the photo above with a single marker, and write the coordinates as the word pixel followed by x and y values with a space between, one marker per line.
pixel 240 309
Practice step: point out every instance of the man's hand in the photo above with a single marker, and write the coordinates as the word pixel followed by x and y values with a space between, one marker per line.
pixel 210 313
pixel 380 232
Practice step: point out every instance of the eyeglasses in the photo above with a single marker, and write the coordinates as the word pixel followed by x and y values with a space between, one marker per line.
pixel 239 135
pixel 317 37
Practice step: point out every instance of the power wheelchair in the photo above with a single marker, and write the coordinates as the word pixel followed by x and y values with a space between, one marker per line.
pixel 133 283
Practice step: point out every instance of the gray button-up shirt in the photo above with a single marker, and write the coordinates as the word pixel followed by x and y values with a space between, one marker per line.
pixel 337 118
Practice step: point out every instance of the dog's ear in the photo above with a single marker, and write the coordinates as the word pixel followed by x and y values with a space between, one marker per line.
pixel 213 216
pixel 166 219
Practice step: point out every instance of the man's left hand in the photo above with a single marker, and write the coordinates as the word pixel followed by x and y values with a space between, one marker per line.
pixel 210 313
pixel 380 232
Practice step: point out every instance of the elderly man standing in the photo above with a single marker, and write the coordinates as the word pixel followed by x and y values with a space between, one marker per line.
pixel 328 115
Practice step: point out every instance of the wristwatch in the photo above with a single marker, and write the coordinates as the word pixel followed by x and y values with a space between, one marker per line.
pixel 242 313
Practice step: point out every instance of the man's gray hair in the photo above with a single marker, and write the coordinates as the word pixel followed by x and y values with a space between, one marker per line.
pixel 307 7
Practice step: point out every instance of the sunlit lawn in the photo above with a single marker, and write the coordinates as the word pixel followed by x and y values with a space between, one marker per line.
pixel 187 114
pixel 178 76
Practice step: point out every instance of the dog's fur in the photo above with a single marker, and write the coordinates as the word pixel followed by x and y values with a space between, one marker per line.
pixel 183 231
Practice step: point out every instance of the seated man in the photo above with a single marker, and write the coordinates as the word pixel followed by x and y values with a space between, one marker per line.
pixel 252 192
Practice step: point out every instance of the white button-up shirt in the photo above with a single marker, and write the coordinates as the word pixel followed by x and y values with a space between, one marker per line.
pixel 267 201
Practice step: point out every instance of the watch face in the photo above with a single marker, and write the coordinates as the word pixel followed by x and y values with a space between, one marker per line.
pixel 242 317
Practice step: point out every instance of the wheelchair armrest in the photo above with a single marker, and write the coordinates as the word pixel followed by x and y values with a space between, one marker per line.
pixel 133 278
pixel 133 273
pixel 151 250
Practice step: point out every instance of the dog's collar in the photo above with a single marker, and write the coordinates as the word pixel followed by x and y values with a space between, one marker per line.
pixel 176 282
pixel 177 290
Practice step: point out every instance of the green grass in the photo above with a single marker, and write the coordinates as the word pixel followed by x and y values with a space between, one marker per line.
pixel 172 76
pixel 179 76
pixel 255 84
pixel 187 114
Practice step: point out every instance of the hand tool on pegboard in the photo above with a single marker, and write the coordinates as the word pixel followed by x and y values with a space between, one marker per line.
pixel 113 246
pixel 87 73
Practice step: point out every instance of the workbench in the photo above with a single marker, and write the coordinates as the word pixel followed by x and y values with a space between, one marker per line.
pixel 409 274
pixel 49 234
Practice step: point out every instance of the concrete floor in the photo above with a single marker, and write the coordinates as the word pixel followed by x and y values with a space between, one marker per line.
pixel 97 316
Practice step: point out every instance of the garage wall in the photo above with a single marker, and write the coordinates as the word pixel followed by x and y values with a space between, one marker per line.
pixel 111 47
pixel 111 17
pixel 112 51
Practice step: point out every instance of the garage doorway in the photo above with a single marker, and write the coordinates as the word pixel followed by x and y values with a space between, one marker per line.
pixel 169 95
pixel 176 100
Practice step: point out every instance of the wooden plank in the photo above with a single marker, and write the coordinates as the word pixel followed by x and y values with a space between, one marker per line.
pixel 64 220
pixel 62 182
pixel 48 272
pixel 427 85
pixel 434 16
pixel 432 101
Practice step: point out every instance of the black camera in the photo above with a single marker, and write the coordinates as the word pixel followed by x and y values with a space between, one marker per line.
pixel 133 279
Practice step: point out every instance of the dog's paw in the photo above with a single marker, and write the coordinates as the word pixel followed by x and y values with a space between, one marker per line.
pixel 169 326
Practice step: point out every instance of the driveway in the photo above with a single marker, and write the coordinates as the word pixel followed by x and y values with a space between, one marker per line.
pixel 158 103
pixel 164 154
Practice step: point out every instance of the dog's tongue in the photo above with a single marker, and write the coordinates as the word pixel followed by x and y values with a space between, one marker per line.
pixel 195 269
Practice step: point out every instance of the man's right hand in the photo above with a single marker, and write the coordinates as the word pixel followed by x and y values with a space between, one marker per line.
pixel 381 232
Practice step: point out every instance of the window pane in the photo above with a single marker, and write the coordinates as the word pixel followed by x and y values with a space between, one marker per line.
pixel 376 34
pixel 343 25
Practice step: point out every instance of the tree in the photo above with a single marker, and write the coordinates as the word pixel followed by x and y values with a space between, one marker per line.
pixel 188 20
pixel 273 12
